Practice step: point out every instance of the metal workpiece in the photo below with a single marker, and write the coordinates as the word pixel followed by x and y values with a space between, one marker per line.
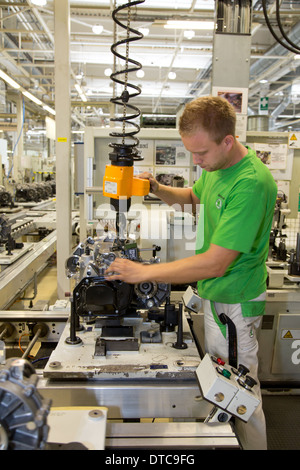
pixel 23 411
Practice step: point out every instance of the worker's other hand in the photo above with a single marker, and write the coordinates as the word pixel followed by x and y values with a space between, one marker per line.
pixel 126 270
pixel 153 183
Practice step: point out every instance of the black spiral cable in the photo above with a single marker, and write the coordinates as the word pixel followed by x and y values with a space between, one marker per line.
pixel 125 152
pixel 290 46
pixel 290 42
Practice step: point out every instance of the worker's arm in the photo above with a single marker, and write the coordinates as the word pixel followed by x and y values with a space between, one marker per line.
pixel 212 263
pixel 184 197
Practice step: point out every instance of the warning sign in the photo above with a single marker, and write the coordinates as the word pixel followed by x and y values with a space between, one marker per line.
pixel 290 334
pixel 294 140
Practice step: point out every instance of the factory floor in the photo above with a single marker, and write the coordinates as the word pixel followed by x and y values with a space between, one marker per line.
pixel 46 289
pixel 282 409
pixel 283 421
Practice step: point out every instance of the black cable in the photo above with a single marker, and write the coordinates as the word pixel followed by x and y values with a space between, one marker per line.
pixel 295 51
pixel 128 150
pixel 281 28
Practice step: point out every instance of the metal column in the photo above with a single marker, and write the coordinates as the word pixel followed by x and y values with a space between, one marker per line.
pixel 63 141
pixel 19 141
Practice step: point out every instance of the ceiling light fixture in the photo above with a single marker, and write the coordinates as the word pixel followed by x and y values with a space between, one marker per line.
pixel 80 92
pixel 39 3
pixel 107 72
pixel 50 110
pixel 9 80
pixel 97 29
pixel 173 24
pixel 144 31
pixel 31 97
pixel 28 95
pixel 140 74
pixel 172 75
pixel 189 34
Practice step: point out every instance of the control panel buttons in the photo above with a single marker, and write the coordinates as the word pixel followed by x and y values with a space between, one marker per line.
pixel 241 371
pixel 219 397
pixel 241 410
pixel 226 373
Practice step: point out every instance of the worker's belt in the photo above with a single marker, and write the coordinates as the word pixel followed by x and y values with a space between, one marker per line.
pixel 232 353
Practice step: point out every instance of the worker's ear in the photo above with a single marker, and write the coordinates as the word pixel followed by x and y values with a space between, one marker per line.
pixel 228 141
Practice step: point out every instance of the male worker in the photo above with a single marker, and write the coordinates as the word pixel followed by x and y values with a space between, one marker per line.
pixel 238 194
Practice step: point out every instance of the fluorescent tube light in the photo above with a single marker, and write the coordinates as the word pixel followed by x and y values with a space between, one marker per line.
pixel 78 88
pixel 31 97
pixel 83 97
pixel 80 92
pixel 173 24
pixel 39 3
pixel 9 80
pixel 50 110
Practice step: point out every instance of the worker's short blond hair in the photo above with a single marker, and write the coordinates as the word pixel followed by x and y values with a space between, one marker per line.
pixel 210 113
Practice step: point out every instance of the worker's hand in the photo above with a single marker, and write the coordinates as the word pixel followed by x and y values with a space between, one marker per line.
pixel 126 270
pixel 153 183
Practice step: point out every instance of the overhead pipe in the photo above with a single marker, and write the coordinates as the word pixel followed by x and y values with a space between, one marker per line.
pixel 278 110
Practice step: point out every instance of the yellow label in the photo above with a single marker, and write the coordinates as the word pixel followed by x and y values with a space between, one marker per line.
pixel 62 139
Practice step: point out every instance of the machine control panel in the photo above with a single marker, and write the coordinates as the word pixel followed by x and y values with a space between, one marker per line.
pixel 229 389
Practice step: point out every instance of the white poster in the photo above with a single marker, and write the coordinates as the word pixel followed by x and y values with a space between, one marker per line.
pixel 173 176
pixel 237 97
pixel 171 153
pixel 273 156
pixel 145 148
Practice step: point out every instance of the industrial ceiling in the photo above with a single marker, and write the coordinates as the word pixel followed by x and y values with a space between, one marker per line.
pixel 28 56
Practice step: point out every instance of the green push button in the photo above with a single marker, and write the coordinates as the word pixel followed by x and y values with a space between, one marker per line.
pixel 226 373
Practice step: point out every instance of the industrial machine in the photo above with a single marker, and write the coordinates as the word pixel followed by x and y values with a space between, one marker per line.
pixel 6 199
pixel 127 348
pixel 131 354
pixel 106 301
pixel 34 192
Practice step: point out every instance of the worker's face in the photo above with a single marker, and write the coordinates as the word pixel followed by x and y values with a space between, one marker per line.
pixel 206 153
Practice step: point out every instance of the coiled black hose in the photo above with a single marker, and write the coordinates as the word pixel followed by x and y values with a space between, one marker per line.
pixel 125 152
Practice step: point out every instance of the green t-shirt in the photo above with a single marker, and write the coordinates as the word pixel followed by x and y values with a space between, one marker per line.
pixel 237 208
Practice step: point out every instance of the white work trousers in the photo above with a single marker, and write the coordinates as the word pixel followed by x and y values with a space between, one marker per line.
pixel 252 434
